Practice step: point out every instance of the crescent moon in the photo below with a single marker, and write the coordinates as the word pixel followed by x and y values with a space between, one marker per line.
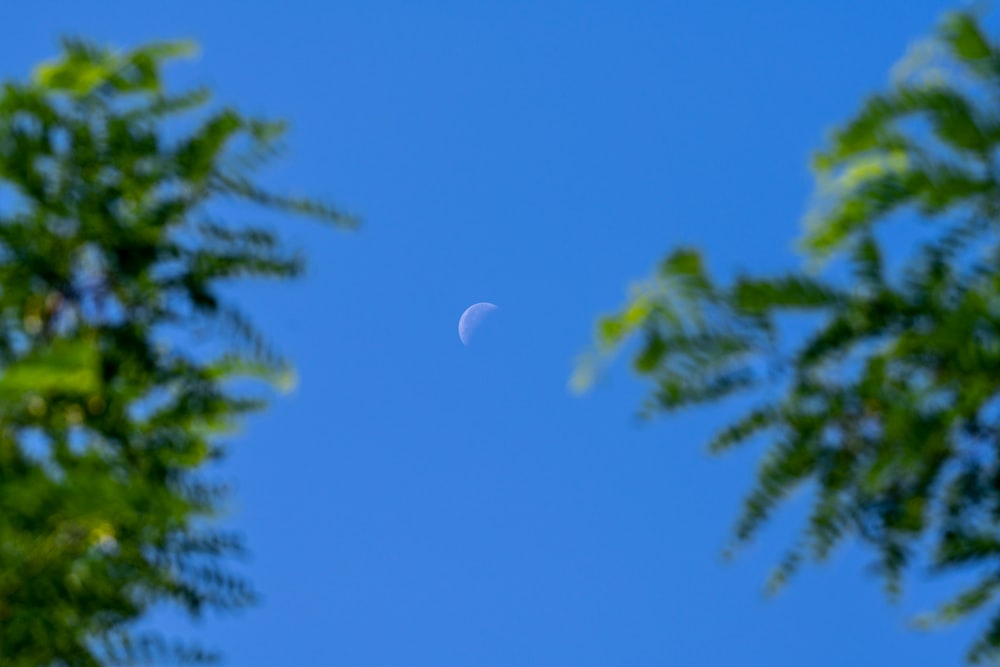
pixel 472 318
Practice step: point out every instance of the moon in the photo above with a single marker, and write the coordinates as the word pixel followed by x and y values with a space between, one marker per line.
pixel 472 318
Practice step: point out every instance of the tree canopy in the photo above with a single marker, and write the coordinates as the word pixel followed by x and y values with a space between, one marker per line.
pixel 112 254
pixel 888 409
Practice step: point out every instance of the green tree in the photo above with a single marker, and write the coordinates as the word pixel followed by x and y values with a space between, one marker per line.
pixel 111 255
pixel 889 406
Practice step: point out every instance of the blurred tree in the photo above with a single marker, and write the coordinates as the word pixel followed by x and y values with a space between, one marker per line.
pixel 889 407
pixel 108 252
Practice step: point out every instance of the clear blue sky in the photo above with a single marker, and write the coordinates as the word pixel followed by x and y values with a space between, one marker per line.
pixel 418 502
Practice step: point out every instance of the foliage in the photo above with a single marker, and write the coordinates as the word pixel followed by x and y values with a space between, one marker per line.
pixel 888 408
pixel 108 253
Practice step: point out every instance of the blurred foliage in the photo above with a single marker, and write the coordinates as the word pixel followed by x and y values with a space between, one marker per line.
pixel 889 409
pixel 108 254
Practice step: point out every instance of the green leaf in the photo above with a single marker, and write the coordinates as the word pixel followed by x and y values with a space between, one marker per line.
pixel 962 33
pixel 758 296
pixel 744 428
pixel 62 367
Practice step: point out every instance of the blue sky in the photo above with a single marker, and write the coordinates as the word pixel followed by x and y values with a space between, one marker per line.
pixel 419 502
